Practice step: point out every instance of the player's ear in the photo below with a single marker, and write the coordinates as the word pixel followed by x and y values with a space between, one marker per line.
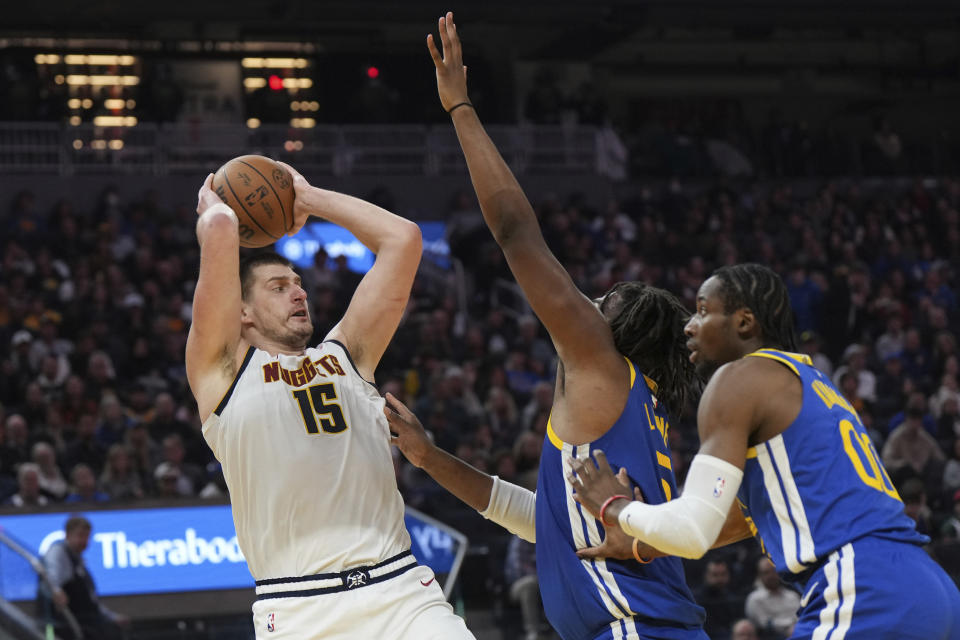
pixel 746 323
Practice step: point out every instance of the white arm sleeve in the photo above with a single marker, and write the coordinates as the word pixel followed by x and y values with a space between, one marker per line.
pixel 513 508
pixel 688 526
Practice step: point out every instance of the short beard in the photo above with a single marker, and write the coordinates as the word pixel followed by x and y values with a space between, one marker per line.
pixel 295 340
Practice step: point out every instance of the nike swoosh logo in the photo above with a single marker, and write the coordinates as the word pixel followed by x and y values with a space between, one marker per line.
pixel 805 599
pixel 428 582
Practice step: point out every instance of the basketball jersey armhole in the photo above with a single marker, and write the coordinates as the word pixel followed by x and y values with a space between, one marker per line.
pixel 236 379
pixel 352 364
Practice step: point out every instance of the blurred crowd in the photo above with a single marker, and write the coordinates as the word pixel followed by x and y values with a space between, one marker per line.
pixel 95 303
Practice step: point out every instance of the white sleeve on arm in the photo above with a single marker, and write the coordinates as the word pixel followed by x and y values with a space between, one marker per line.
pixel 688 526
pixel 513 508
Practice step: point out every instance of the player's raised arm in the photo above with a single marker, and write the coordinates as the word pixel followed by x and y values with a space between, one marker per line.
pixel 214 336
pixel 381 297
pixel 579 331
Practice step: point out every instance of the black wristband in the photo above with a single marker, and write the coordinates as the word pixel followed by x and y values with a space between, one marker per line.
pixel 460 104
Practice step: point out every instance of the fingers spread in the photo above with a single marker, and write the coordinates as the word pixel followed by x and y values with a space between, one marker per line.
pixel 602 463
pixel 588 553
pixel 578 467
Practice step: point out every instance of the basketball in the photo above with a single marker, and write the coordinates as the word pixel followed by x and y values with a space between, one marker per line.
pixel 260 192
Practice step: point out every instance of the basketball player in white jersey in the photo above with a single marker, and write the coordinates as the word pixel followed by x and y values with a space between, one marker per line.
pixel 300 430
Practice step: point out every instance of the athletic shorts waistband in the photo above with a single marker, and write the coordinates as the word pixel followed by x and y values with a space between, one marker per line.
pixel 323 583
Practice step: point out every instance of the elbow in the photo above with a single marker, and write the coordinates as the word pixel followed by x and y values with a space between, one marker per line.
pixel 411 235
pixel 217 222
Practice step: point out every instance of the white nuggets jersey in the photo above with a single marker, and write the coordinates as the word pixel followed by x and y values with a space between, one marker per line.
pixel 305 450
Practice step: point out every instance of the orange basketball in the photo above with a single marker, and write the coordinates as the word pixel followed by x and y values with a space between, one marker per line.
pixel 260 192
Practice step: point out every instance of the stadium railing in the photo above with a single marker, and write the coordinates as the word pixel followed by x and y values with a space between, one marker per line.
pixel 16 621
pixel 349 150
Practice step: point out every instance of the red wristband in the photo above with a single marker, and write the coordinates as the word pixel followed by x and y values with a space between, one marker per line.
pixel 606 504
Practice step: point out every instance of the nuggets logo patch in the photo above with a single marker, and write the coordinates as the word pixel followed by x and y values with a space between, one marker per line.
pixel 718 487
pixel 271 622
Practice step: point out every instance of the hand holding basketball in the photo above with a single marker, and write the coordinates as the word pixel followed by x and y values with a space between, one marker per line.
pixel 207 197
pixel 301 207
pixel 261 193
pixel 451 72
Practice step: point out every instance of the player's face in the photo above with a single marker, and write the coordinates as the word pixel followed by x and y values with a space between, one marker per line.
pixel 278 306
pixel 711 332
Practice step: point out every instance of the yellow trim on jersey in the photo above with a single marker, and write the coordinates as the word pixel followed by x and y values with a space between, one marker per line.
pixel 784 357
pixel 751 453
pixel 552 435
pixel 633 371
pixel 651 384
pixel 558 443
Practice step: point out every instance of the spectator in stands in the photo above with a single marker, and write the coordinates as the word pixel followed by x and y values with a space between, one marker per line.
pixel 892 340
pixel 891 390
pixel 951 471
pixel 101 374
pixel 113 423
pixel 520 572
pixel 855 362
pixel 52 483
pixel 84 486
pixel 28 487
pixel 15 445
pixel 915 504
pixel 911 449
pixel 948 390
pixel 85 447
pixel 144 453
pixel 771 607
pixel 810 344
pixel 74 587
pixel 190 477
pixel 216 487
pixel 950 529
pixel 917 361
pixel 165 422
pixel 718 599
pixel 743 629
pixel 848 386
pixel 119 479
pixel 54 372
pixel 169 481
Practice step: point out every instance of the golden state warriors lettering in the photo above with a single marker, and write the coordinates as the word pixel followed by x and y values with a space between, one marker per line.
pixel 659 423
pixel 856 444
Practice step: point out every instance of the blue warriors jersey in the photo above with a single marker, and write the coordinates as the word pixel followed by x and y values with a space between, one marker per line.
pixel 611 599
pixel 819 484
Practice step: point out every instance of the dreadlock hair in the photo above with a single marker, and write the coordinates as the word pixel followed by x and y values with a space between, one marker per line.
pixel 761 290
pixel 251 262
pixel 648 329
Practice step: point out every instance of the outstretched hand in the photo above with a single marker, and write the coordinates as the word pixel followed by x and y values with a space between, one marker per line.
pixel 406 432
pixel 301 203
pixel 593 484
pixel 451 72
pixel 617 544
